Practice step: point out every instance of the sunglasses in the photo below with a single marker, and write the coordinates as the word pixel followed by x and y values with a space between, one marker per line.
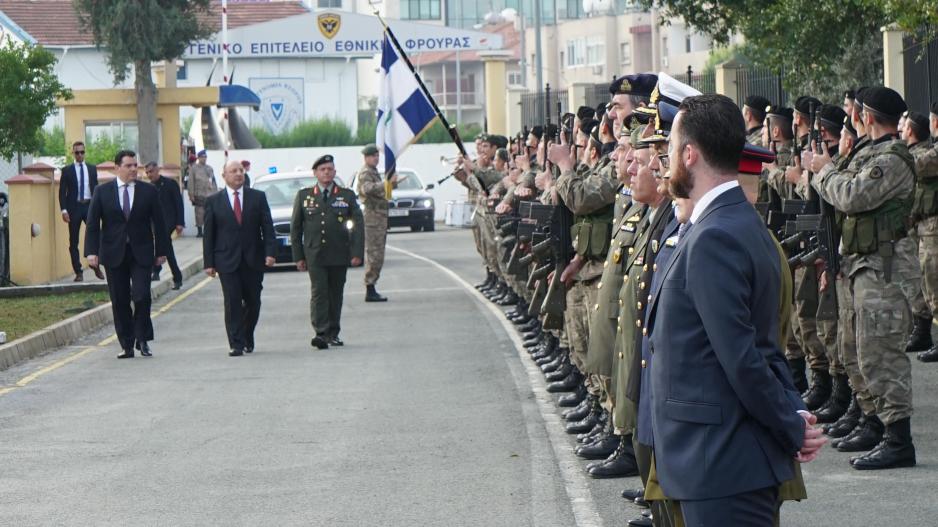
pixel 77 152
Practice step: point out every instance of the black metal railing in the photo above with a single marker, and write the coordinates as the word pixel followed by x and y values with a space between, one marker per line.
pixel 4 241
pixel 921 72
pixel 751 80
pixel 533 107
pixel 705 82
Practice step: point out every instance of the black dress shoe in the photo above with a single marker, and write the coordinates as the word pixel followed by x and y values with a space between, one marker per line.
pixel 568 384
pixel 97 272
pixel 155 277
pixel 127 354
pixel 235 353
pixel 633 494
pixel 335 341
pixel 249 349
pixel 79 277
pixel 929 356
pixel 319 342
pixel 641 521
pixel 600 449
pixel 641 503
pixel 177 285
pixel 621 464
pixel 144 349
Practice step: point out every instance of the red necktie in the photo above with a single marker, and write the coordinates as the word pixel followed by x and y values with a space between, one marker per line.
pixel 237 208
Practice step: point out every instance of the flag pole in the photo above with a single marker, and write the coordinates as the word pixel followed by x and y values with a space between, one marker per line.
pixel 451 128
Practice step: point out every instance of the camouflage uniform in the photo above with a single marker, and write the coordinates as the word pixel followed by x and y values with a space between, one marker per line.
pixel 201 186
pixel 925 216
pixel 370 189
pixel 879 277
pixel 754 136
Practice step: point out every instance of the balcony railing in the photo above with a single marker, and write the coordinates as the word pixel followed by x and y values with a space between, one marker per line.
pixel 466 98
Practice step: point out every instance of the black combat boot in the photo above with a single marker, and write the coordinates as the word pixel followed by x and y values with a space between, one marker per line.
pixel 605 444
pixel 554 364
pixel 920 339
pixel 489 278
pixel 371 295
pixel 597 416
pixel 838 402
pixel 865 438
pixel 199 233
pixel 894 451
pixel 571 400
pixel 581 410
pixel 798 367
pixel 567 384
pixel 620 464
pixel 509 299
pixel 847 422
pixel 930 355
pixel 820 390
pixel 560 373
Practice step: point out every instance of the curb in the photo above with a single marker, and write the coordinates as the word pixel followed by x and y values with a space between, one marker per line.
pixel 51 289
pixel 72 329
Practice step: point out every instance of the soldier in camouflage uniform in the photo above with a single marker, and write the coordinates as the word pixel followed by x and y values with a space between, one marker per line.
pixel 925 208
pixel 371 192
pixel 754 115
pixel 201 186
pixel 877 199
pixel 478 178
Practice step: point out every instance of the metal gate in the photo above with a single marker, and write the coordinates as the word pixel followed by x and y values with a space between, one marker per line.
pixel 921 73
pixel 760 81
pixel 532 107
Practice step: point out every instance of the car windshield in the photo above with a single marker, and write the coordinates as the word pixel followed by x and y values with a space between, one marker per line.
pixel 281 192
pixel 410 182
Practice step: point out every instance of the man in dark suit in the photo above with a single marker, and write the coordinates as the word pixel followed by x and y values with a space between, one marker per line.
pixel 174 217
pixel 327 236
pixel 238 243
pixel 126 235
pixel 726 417
pixel 76 186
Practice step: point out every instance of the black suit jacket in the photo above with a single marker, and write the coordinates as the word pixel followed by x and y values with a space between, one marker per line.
pixel 225 244
pixel 108 233
pixel 170 202
pixel 68 186
pixel 724 404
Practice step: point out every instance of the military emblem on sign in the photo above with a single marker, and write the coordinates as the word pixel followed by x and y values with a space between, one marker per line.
pixel 329 24
pixel 276 108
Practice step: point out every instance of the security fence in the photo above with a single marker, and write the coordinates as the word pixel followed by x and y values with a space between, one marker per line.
pixel 921 72
pixel 751 80
pixel 533 107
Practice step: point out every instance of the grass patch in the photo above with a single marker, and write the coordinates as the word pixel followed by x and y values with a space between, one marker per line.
pixel 21 316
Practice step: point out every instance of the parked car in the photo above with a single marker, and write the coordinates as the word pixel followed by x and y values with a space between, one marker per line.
pixel 410 205
pixel 281 190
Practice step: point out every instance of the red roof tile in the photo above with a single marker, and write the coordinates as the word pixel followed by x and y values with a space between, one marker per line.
pixel 511 41
pixel 48 20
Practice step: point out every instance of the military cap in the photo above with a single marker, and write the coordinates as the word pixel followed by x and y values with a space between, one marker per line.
pixel 664 119
pixel 370 149
pixel 323 160
pixel 757 102
pixel 594 132
pixel 588 125
pixel 831 117
pixel 636 84
pixel 245 163
pixel 502 153
pixel 601 110
pixel 644 114
pixel 919 123
pixel 537 131
pixel 585 112
pixel 636 138
pixel 202 153
pixel 848 126
pixel 934 108
pixel 860 94
pixel 672 91
pixel 782 112
pixel 750 162
pixel 192 158
pixel 884 101
pixel 804 103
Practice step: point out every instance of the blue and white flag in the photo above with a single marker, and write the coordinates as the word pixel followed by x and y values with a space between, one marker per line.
pixel 404 113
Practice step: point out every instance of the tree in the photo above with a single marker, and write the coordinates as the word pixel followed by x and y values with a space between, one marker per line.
pixel 138 32
pixel 813 43
pixel 28 92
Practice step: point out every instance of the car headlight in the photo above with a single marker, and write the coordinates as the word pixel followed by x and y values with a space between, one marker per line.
pixel 427 203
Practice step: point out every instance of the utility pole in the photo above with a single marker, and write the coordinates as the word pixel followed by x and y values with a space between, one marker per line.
pixel 538 66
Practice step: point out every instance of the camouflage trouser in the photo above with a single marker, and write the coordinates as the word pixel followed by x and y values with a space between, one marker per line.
pixel 804 321
pixel 490 246
pixel 580 299
pixel 827 332
pixel 376 235
pixel 883 323
pixel 847 345
pixel 199 215
pixel 927 234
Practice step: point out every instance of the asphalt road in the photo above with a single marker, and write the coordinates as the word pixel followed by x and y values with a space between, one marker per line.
pixel 428 416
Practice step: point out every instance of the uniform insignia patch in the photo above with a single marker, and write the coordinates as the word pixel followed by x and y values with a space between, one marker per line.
pixel 876 173
pixel 617 256
pixel 628 227
pixel 671 242
pixel 654 246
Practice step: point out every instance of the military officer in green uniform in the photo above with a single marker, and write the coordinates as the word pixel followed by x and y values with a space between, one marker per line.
pixel 327 237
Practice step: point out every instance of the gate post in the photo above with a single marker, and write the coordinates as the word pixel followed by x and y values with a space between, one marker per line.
pixel 893 62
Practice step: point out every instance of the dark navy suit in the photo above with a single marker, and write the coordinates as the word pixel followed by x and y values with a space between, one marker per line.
pixel 724 409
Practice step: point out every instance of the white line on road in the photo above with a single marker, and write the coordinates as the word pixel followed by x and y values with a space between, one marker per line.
pixel 581 499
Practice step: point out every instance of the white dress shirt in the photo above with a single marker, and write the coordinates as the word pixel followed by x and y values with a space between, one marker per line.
pixel 709 197
pixel 120 193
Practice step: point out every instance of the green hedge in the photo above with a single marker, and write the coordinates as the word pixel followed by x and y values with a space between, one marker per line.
pixel 331 132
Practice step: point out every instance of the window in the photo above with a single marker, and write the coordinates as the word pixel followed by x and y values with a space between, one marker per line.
pixel 335 4
pixel 514 78
pixel 687 44
pixel 595 51
pixel 420 9
pixel 664 46
pixel 116 135
pixel 182 71
pixel 625 53
pixel 576 52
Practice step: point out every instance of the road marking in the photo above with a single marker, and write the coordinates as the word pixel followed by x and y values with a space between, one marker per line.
pixel 104 343
pixel 581 499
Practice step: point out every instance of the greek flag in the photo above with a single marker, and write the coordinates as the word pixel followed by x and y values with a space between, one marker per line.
pixel 404 113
